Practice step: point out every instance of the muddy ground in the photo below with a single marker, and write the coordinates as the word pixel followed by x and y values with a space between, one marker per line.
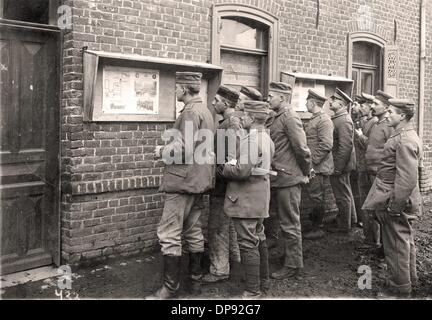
pixel 331 271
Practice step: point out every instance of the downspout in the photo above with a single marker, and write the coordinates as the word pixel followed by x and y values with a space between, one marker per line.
pixel 422 69
pixel 423 177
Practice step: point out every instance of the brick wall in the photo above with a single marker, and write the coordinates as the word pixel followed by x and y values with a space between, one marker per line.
pixel 427 140
pixel 110 202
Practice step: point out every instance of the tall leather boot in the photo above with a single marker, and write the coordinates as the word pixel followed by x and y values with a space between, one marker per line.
pixel 264 267
pixel 171 279
pixel 195 272
pixel 250 261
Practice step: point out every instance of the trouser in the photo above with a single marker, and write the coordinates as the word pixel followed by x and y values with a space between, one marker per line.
pixel 375 225
pixel 370 225
pixel 251 236
pixel 288 200
pixel 400 251
pixel 355 189
pixel 272 225
pixel 360 191
pixel 181 217
pixel 315 191
pixel 344 200
pixel 222 239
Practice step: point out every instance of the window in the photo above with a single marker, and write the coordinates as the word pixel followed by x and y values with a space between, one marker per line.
pixel 244 43
pixel 244 53
pixel 366 67
pixel 243 33
pixel 33 11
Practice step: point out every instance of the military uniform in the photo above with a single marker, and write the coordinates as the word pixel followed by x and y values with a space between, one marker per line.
pixel 222 237
pixel 379 134
pixel 396 197
pixel 292 162
pixel 319 134
pixel 183 184
pixel 370 225
pixel 247 201
pixel 344 162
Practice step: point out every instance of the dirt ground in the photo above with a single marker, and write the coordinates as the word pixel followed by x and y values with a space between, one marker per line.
pixel 331 271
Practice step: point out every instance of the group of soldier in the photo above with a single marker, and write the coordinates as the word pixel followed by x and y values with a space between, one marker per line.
pixel 291 157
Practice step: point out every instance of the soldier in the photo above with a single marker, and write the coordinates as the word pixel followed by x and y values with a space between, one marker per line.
pixel 222 238
pixel 355 110
pixel 396 197
pixel 368 119
pixel 344 161
pixel 379 133
pixel 319 133
pixel 248 195
pixel 378 136
pixel 292 162
pixel 358 120
pixel 370 225
pixel 183 184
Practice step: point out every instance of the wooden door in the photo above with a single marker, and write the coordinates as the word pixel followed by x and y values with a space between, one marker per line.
pixel 29 154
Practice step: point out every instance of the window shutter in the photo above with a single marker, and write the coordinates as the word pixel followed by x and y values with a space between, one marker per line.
pixel 391 69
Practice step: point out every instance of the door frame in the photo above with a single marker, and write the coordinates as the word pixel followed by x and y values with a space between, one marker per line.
pixel 56 33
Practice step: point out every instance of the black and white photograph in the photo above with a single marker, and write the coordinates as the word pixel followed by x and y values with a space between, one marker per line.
pixel 226 151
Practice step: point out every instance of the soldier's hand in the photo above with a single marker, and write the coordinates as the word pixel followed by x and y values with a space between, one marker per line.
pixel 232 162
pixel 359 132
pixel 158 152
pixel 312 174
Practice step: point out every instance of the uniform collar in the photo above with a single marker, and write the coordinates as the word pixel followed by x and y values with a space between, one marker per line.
pixel 190 102
pixel 379 121
pixel 339 113
pixel 316 114
pixel 407 127
pixel 281 111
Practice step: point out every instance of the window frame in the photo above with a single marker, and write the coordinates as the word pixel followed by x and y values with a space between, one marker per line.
pixel 53 6
pixel 225 11
pixel 373 39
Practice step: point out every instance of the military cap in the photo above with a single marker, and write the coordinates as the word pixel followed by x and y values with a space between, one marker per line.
pixel 251 93
pixel 228 93
pixel 383 96
pixel 256 106
pixel 368 97
pixel 316 95
pixel 280 87
pixel 403 104
pixel 339 94
pixel 359 98
pixel 188 77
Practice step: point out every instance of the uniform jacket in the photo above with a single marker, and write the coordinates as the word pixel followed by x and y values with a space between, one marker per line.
pixel 378 136
pixel 230 126
pixel 319 134
pixel 248 192
pixel 191 178
pixel 360 143
pixel 396 184
pixel 343 145
pixel 292 159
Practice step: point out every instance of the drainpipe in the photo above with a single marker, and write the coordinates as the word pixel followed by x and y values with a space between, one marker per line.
pixel 422 69
pixel 423 177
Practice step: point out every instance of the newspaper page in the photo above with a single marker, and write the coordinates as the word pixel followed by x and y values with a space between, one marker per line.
pixel 130 90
